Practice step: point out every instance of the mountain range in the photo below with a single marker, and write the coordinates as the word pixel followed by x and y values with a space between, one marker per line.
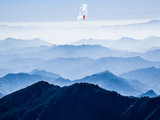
pixel 110 82
pixel 44 101
pixel 16 81
pixel 106 80
pixel 77 68
pixel 124 43
pixel 11 43
pixel 56 51
pixel 45 74
pixel 152 55
pixel 148 76
pixel 92 79
pixel 152 23
pixel 72 51
pixel 36 48
pixel 71 62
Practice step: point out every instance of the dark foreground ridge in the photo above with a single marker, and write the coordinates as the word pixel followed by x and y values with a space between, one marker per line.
pixel 81 101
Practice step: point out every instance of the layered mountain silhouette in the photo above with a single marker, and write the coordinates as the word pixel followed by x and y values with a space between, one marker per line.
pixel 72 51
pixel 92 79
pixel 36 48
pixel 24 65
pixel 149 76
pixel 149 93
pixel 151 23
pixel 77 61
pixel 77 68
pixel 153 55
pixel 109 81
pixel 12 43
pixel 44 101
pixel 15 81
pixel 119 64
pixel 45 73
pixel 106 79
pixel 124 43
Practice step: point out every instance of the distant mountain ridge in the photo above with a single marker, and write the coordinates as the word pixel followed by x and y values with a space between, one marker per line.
pixel 149 76
pixel 124 43
pixel 10 43
pixel 153 55
pixel 106 80
pixel 86 66
pixel 58 51
pixel 45 73
pixel 72 51
pixel 77 68
pixel 110 82
pixel 13 82
pixel 75 59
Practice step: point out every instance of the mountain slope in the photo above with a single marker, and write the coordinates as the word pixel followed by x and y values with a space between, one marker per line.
pixel 109 81
pixel 72 51
pixel 51 102
pixel 106 79
pixel 77 68
pixel 10 43
pixel 143 109
pixel 118 65
pixel 14 82
pixel 26 99
pixel 124 43
pixel 153 55
pixel 45 73
pixel 76 102
pixel 149 76
pixel 149 93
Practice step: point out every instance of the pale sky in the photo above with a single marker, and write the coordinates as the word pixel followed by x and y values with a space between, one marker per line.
pixel 67 10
